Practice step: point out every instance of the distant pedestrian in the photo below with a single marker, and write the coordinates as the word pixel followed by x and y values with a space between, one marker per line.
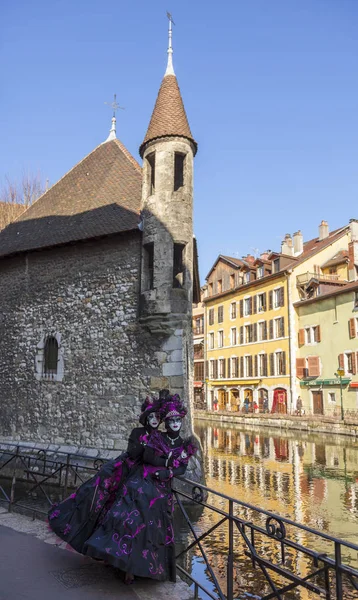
pixel 299 406
pixel 256 407
pixel 246 404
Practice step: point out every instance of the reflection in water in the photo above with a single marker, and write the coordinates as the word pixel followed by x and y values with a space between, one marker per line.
pixel 309 479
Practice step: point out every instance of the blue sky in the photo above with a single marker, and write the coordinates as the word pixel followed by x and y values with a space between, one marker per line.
pixel 270 88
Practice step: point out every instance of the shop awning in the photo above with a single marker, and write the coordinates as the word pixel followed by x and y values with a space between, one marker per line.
pixel 235 382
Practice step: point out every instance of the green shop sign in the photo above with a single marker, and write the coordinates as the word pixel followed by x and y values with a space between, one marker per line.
pixel 319 382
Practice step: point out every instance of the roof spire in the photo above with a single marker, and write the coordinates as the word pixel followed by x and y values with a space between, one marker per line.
pixel 170 68
pixel 115 106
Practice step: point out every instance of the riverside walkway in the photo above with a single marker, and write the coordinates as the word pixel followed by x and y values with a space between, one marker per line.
pixel 35 565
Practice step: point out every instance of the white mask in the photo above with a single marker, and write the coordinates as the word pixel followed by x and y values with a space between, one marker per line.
pixel 153 420
pixel 174 424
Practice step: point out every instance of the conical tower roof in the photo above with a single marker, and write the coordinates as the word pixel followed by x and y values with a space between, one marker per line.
pixel 169 116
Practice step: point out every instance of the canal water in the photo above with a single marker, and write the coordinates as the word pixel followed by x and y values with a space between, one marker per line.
pixel 308 478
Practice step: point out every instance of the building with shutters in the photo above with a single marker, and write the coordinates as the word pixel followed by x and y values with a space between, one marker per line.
pixel 198 342
pixel 328 340
pixel 253 334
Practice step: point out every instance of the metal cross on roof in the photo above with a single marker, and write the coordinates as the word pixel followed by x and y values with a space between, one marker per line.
pixel 114 105
pixel 170 18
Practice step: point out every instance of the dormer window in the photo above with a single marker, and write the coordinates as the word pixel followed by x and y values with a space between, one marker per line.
pixel 260 271
pixel 246 277
pixel 179 161
pixel 151 172
pixel 276 265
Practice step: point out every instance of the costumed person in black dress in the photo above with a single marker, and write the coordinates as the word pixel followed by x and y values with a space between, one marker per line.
pixel 137 534
pixel 76 518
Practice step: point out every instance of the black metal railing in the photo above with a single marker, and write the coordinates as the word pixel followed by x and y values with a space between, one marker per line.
pixel 245 549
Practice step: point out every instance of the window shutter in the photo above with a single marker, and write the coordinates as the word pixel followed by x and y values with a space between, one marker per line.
pixel 314 369
pixel 224 365
pixel 250 305
pixel 354 364
pixel 271 329
pixel 256 366
pixel 241 308
pixel 301 337
pixel 341 361
pixel 272 364
pixel 255 305
pixel 264 303
pixel 250 366
pixel 228 368
pixel 265 330
pixel 271 300
pixel 282 297
pixel 241 366
pixel 241 334
pixel 300 367
pixel 251 332
pixel 206 369
pixel 254 328
pixel 283 363
pixel 282 327
pixel 352 328
pixel 216 369
pixel 318 333
pixel 265 365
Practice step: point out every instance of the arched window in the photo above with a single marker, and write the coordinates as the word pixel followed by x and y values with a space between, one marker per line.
pixel 50 356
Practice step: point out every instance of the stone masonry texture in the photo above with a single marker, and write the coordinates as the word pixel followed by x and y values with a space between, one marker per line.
pixel 89 294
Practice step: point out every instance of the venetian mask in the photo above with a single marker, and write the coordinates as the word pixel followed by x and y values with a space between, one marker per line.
pixel 153 420
pixel 174 424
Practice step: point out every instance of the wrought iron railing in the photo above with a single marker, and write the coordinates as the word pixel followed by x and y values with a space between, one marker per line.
pixel 265 555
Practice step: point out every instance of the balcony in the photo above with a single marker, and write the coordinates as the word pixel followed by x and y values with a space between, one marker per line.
pixel 199 330
pixel 307 277
pixel 199 354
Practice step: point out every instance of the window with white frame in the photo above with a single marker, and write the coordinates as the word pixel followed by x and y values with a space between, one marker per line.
pixel 262 331
pixel 221 368
pixel 234 367
pixel 280 363
pixel 312 334
pixel 350 363
pixel 248 366
pixel 262 365
pixel 220 338
pixel 246 277
pixel 247 306
pixel 211 369
pixel 279 327
pixel 260 272
pixel 261 303
pixel 248 334
pixel 233 336
pixel 233 310
pixel 332 397
pixel 278 297
pixel 308 335
pixel 211 341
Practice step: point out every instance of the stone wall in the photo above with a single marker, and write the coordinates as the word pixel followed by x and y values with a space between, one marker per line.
pixel 87 294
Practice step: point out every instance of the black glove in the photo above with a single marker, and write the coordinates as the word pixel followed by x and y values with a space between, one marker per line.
pixel 163 475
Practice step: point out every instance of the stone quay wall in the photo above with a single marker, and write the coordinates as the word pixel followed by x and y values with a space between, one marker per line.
pixel 87 295
pixel 285 422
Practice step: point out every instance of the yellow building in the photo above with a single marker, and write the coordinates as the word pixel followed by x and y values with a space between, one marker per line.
pixel 252 322
pixel 328 342
pixel 247 337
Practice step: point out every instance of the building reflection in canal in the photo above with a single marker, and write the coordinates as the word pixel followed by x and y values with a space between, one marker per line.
pixel 311 479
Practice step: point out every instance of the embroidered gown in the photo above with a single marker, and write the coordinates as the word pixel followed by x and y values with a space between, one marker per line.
pixel 136 535
pixel 76 518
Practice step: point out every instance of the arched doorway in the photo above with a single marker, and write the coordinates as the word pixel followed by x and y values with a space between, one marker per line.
pixel 263 400
pixel 279 401
pixel 248 397
pixel 222 399
pixel 235 399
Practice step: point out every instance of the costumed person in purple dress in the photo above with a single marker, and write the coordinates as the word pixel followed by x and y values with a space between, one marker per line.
pixel 78 517
pixel 137 534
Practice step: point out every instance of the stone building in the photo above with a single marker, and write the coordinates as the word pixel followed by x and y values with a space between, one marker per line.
pixel 98 277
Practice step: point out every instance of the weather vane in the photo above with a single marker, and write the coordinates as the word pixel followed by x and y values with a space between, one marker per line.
pixel 114 105
pixel 170 18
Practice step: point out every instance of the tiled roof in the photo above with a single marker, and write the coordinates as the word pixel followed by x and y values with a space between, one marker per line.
pixel 9 211
pixel 169 116
pixel 338 259
pixel 100 196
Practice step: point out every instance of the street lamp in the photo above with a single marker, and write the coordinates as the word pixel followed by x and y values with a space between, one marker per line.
pixel 340 373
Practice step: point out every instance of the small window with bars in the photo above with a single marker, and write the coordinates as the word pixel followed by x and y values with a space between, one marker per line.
pixel 50 356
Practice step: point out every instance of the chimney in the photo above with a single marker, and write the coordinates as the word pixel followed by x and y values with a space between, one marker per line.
pixel 353 250
pixel 297 243
pixel 287 245
pixel 264 255
pixel 323 231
